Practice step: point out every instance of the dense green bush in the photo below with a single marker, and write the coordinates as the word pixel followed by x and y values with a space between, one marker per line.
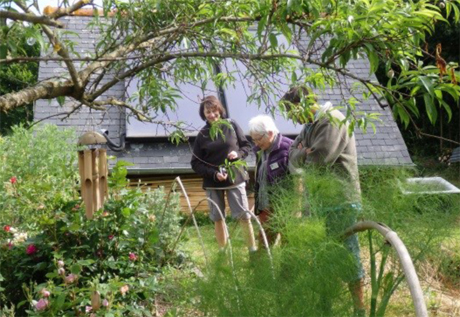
pixel 125 244
pixel 54 261
pixel 37 172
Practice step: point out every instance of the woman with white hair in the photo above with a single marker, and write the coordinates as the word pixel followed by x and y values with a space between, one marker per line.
pixel 272 152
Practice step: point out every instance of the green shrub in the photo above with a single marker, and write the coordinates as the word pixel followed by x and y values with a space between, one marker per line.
pixel 55 262
pixel 37 172
pixel 124 246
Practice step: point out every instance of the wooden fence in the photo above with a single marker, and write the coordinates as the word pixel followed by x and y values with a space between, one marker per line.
pixel 192 184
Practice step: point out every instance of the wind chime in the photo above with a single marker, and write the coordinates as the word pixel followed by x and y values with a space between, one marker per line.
pixel 92 165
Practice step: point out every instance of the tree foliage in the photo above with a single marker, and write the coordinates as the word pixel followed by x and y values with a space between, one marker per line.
pixel 167 42
pixel 14 77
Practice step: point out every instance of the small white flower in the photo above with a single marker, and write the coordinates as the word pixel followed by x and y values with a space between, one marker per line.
pixel 19 237
pixel 350 19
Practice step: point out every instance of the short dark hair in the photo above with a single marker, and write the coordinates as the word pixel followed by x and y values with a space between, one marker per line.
pixel 291 102
pixel 295 94
pixel 212 102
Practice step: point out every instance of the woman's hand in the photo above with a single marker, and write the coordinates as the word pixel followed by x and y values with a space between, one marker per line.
pixel 232 155
pixel 308 150
pixel 221 177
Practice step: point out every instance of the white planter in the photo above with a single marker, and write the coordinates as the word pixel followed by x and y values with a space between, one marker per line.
pixel 428 185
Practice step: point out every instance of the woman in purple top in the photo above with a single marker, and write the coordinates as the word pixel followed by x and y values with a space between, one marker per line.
pixel 272 151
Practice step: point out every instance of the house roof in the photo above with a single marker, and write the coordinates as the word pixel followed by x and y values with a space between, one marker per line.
pixel 385 147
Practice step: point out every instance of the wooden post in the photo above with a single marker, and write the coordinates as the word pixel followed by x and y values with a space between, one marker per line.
pixel 103 171
pixel 88 183
pixel 81 169
pixel 92 165
pixel 96 193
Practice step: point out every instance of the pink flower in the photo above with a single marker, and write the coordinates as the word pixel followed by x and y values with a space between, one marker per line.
pixel 13 180
pixel 60 263
pixel 88 309
pixel 7 228
pixel 61 271
pixel 41 304
pixel 45 292
pixel 31 249
pixel 105 303
pixel 132 256
pixel 70 278
pixel 111 237
pixel 10 245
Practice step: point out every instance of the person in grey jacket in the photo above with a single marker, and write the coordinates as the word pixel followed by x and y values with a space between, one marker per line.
pixel 328 144
pixel 209 154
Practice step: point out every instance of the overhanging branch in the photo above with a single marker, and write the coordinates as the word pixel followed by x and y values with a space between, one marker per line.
pixel 43 20
pixel 44 90
pixel 60 12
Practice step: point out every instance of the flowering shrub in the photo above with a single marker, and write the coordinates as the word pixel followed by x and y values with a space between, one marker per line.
pixel 37 171
pixel 69 265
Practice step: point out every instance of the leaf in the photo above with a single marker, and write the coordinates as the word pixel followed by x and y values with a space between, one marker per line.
pixel 451 91
pixel 126 212
pixel 154 237
pixel 85 262
pixel 51 275
pixel 286 30
pixel 230 32
pixel 60 100
pixel 3 51
pixel 430 108
pixel 60 300
pixel 447 108
pixel 75 268
pixel 261 26
pixel 374 61
pixel 273 40
pixel 427 84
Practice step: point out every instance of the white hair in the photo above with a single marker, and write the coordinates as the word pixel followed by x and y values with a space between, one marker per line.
pixel 262 124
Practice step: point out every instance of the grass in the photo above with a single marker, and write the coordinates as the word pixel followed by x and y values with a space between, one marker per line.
pixel 306 269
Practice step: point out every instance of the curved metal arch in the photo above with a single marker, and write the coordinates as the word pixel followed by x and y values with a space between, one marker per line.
pixel 404 259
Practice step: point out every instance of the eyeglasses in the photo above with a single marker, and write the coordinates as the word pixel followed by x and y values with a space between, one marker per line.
pixel 257 140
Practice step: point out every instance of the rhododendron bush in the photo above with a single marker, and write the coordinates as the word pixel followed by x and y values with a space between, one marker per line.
pixel 58 263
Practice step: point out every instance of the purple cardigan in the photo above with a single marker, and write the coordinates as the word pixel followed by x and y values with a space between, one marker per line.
pixel 277 163
pixel 278 158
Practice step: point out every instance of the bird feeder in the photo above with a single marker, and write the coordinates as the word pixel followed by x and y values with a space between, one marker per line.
pixel 92 165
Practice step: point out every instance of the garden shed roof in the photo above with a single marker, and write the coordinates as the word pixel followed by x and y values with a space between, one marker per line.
pixel 157 155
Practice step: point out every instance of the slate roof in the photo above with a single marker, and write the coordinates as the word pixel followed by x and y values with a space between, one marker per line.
pixel 386 147
pixel 455 157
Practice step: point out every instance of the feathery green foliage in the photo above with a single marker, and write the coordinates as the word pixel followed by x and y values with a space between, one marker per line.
pixel 311 268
